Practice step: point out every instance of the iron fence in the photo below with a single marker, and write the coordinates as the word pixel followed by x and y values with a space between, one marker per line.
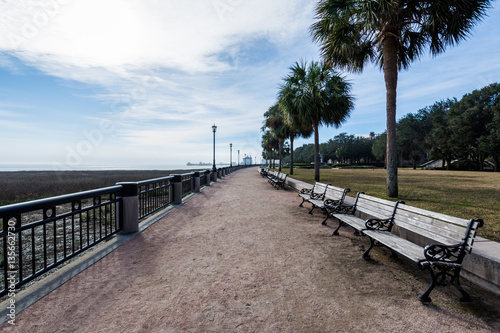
pixel 39 235
pixel 154 194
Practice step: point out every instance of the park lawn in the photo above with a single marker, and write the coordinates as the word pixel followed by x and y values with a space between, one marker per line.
pixel 463 194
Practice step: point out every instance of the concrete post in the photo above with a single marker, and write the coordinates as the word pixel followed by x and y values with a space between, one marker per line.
pixel 196 177
pixel 128 211
pixel 177 189
pixel 207 178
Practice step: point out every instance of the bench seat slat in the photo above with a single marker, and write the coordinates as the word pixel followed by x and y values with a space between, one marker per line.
pixel 305 195
pixel 402 246
pixel 317 203
pixel 354 221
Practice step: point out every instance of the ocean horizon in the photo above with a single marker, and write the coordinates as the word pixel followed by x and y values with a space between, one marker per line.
pixel 50 167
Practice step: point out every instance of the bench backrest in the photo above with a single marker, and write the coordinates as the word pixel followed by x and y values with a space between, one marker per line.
pixel 437 227
pixel 422 226
pixel 372 206
pixel 336 193
pixel 318 190
pixel 282 176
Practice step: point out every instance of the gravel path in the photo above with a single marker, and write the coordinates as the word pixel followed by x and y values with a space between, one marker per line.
pixel 243 257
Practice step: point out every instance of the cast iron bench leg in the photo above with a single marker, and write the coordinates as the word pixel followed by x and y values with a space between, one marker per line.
pixel 456 282
pixel 424 298
pixel 336 231
pixel 326 218
pixel 366 254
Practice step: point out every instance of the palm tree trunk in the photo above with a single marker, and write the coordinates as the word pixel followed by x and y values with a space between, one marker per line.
pixel 291 154
pixel 390 49
pixel 280 155
pixel 316 152
pixel 496 162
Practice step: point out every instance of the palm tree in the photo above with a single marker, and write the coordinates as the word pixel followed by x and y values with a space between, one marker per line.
pixel 279 129
pixel 317 95
pixel 269 144
pixel 297 126
pixel 392 34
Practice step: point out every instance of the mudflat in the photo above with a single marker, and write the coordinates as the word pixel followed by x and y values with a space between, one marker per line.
pixel 243 257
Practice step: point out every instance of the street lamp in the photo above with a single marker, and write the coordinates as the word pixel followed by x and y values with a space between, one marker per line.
pixel 230 154
pixel 238 157
pixel 214 129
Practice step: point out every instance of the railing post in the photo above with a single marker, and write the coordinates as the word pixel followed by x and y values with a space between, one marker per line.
pixel 196 177
pixel 207 178
pixel 215 173
pixel 177 189
pixel 128 213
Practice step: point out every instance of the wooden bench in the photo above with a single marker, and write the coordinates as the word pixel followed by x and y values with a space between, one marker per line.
pixel 333 197
pixel 436 242
pixel 316 192
pixel 264 172
pixel 364 204
pixel 280 181
pixel 277 179
pixel 271 176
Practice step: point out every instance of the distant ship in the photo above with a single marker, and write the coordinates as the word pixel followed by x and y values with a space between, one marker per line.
pixel 203 164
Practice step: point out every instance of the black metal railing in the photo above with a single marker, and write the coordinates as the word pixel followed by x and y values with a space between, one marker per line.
pixel 154 195
pixel 39 235
pixel 187 183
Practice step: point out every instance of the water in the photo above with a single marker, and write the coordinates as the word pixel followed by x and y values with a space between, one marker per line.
pixel 49 167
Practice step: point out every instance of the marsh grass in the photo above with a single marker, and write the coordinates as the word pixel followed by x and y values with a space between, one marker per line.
pixel 463 194
pixel 20 186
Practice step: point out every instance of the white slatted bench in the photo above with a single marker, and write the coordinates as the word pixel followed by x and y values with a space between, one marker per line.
pixel 333 197
pixel 271 176
pixel 277 179
pixel 280 181
pixel 316 192
pixel 436 242
pixel 364 204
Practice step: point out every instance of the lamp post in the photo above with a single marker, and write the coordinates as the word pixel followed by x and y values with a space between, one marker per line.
pixel 214 129
pixel 230 155
pixel 238 157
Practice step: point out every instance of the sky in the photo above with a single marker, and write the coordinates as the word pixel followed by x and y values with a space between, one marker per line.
pixel 139 83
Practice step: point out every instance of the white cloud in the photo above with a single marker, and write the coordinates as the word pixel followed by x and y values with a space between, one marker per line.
pixel 167 70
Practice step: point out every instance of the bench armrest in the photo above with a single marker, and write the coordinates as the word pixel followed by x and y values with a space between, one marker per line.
pixel 343 209
pixel 317 196
pixel 331 203
pixel 379 224
pixel 306 191
pixel 444 253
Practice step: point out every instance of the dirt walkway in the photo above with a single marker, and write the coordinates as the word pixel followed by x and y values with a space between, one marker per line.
pixel 243 257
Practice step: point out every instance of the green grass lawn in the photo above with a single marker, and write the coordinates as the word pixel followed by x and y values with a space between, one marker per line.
pixel 463 194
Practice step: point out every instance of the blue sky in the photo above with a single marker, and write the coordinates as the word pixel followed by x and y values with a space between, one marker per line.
pixel 139 83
